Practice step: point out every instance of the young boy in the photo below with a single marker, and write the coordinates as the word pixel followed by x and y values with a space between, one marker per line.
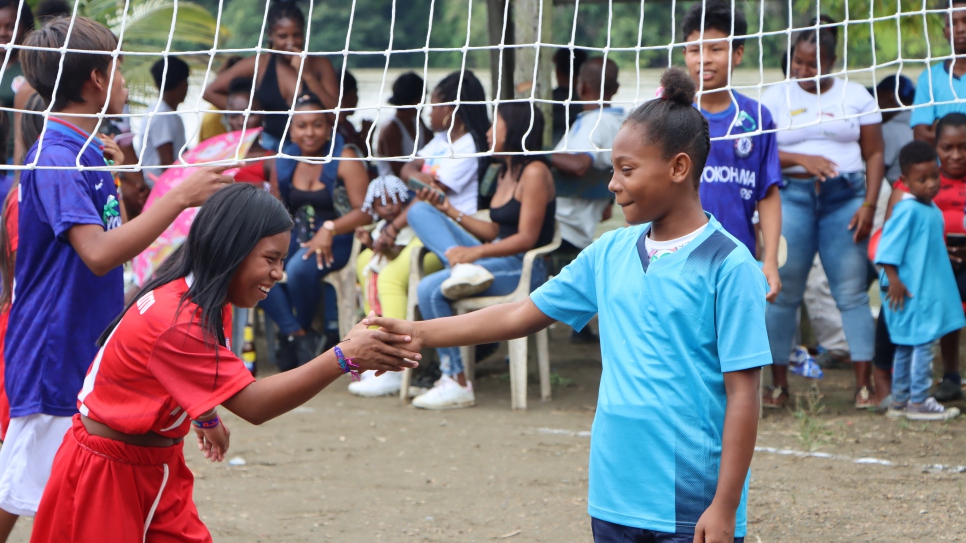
pixel 942 88
pixel 163 134
pixel 919 283
pixel 68 284
pixel 742 175
pixel 681 308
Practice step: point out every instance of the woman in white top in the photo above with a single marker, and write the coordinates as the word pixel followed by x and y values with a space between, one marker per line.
pixel 404 132
pixel 830 147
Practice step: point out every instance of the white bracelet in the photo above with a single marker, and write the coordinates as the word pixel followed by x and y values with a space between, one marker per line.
pixel 459 218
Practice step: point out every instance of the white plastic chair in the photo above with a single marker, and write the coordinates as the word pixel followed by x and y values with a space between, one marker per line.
pixel 518 347
pixel 346 291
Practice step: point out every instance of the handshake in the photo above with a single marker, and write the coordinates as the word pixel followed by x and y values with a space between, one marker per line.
pixel 393 346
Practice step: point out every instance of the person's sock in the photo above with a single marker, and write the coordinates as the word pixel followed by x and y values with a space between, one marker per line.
pixel 954 377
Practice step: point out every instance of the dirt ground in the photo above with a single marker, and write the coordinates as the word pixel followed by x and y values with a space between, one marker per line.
pixel 348 469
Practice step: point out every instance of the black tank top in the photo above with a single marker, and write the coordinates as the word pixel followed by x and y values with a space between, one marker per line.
pixel 507 217
pixel 269 94
pixel 320 200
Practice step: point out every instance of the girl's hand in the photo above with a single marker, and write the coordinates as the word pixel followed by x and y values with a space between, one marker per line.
pixel 464 255
pixel 379 350
pixel 112 151
pixel 774 281
pixel 862 223
pixel 433 198
pixel 202 183
pixel 819 166
pixel 213 442
pixel 364 237
pixel 716 525
pixel 897 295
pixel 321 246
pixel 956 255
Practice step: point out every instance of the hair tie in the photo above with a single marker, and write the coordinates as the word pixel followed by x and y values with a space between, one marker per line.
pixel 659 92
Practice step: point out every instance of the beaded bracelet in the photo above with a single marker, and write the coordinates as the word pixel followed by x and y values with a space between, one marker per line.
pixel 207 424
pixel 347 365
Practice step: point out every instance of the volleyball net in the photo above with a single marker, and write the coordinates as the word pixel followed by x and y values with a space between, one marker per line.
pixel 509 45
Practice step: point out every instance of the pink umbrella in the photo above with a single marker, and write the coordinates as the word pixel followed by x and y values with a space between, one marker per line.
pixel 230 146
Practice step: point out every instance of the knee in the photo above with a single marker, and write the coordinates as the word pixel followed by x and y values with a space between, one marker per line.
pixel 390 280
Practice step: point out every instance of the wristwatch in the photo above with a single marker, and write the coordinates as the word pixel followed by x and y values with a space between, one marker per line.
pixel 329 225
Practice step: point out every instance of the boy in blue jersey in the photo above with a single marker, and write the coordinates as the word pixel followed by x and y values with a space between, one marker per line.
pixel 68 283
pixel 942 88
pixel 743 173
pixel 918 281
pixel 681 307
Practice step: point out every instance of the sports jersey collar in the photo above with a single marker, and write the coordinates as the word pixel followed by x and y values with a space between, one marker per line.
pixel 72 132
pixel 713 225
pixel 721 115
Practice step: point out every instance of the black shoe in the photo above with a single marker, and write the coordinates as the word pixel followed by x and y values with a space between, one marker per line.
pixel 584 337
pixel 948 391
pixel 285 357
pixel 306 348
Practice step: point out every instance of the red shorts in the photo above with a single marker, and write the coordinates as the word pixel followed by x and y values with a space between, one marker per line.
pixel 4 403
pixel 104 490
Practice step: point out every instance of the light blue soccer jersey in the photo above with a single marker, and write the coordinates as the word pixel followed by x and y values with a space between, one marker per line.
pixel 938 93
pixel 669 330
pixel 913 242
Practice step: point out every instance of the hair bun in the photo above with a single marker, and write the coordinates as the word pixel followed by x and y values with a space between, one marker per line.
pixel 826 24
pixel 678 86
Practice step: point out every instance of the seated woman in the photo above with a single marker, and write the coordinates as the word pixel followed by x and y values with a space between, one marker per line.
pixel 522 212
pixel 404 132
pixel 326 200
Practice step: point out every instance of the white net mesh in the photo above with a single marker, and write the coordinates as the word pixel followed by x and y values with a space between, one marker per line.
pixel 507 44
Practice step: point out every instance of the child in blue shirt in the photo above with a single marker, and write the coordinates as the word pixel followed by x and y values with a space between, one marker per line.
pixel 68 283
pixel 743 173
pixel 920 287
pixel 681 307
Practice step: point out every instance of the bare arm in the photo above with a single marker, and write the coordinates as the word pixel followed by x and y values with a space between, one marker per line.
pixel 717 524
pixel 535 194
pixel 814 165
pixel 870 140
pixel 576 164
pixel 770 221
pixel 216 93
pixel 356 180
pixel 19 102
pixel 390 145
pixel 102 251
pixel 165 153
pixel 324 81
pixel 894 199
pixel 268 398
pixel 925 132
pixel 496 323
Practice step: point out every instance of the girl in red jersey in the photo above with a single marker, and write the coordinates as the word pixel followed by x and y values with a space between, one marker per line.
pixel 165 365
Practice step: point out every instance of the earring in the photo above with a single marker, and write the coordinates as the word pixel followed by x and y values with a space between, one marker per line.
pixel 448 119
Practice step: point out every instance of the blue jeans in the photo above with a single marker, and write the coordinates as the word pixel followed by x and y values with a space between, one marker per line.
pixel 912 373
pixel 293 305
pixel 438 233
pixel 819 222
pixel 609 532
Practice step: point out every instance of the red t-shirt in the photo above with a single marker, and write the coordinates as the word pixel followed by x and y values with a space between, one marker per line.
pixel 951 200
pixel 157 372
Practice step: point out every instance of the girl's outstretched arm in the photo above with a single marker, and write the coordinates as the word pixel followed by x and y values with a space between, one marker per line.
pixel 496 323
pixel 268 398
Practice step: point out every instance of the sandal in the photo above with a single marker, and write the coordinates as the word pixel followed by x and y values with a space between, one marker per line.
pixel 864 399
pixel 775 398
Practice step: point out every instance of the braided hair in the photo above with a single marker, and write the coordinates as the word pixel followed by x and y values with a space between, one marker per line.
pixel 381 187
pixel 673 124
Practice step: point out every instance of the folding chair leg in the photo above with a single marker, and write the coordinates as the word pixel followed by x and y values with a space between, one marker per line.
pixel 543 363
pixel 407 376
pixel 518 373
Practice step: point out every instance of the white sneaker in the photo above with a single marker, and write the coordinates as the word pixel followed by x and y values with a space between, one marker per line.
pixel 446 394
pixel 466 280
pixel 370 386
pixel 930 410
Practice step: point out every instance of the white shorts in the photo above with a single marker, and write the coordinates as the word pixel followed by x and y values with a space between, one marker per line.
pixel 26 458
pixel 578 218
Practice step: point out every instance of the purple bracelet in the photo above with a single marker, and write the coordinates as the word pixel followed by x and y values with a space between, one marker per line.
pixel 207 424
pixel 347 365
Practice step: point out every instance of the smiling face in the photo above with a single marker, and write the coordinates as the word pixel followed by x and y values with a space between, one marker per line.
pixel 922 180
pixel 711 63
pixel 805 64
pixel 238 102
pixel 287 36
pixel 644 183
pixel 951 148
pixel 8 19
pixel 310 130
pixel 258 273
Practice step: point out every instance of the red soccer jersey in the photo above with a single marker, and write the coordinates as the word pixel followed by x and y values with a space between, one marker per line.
pixel 951 200
pixel 157 372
